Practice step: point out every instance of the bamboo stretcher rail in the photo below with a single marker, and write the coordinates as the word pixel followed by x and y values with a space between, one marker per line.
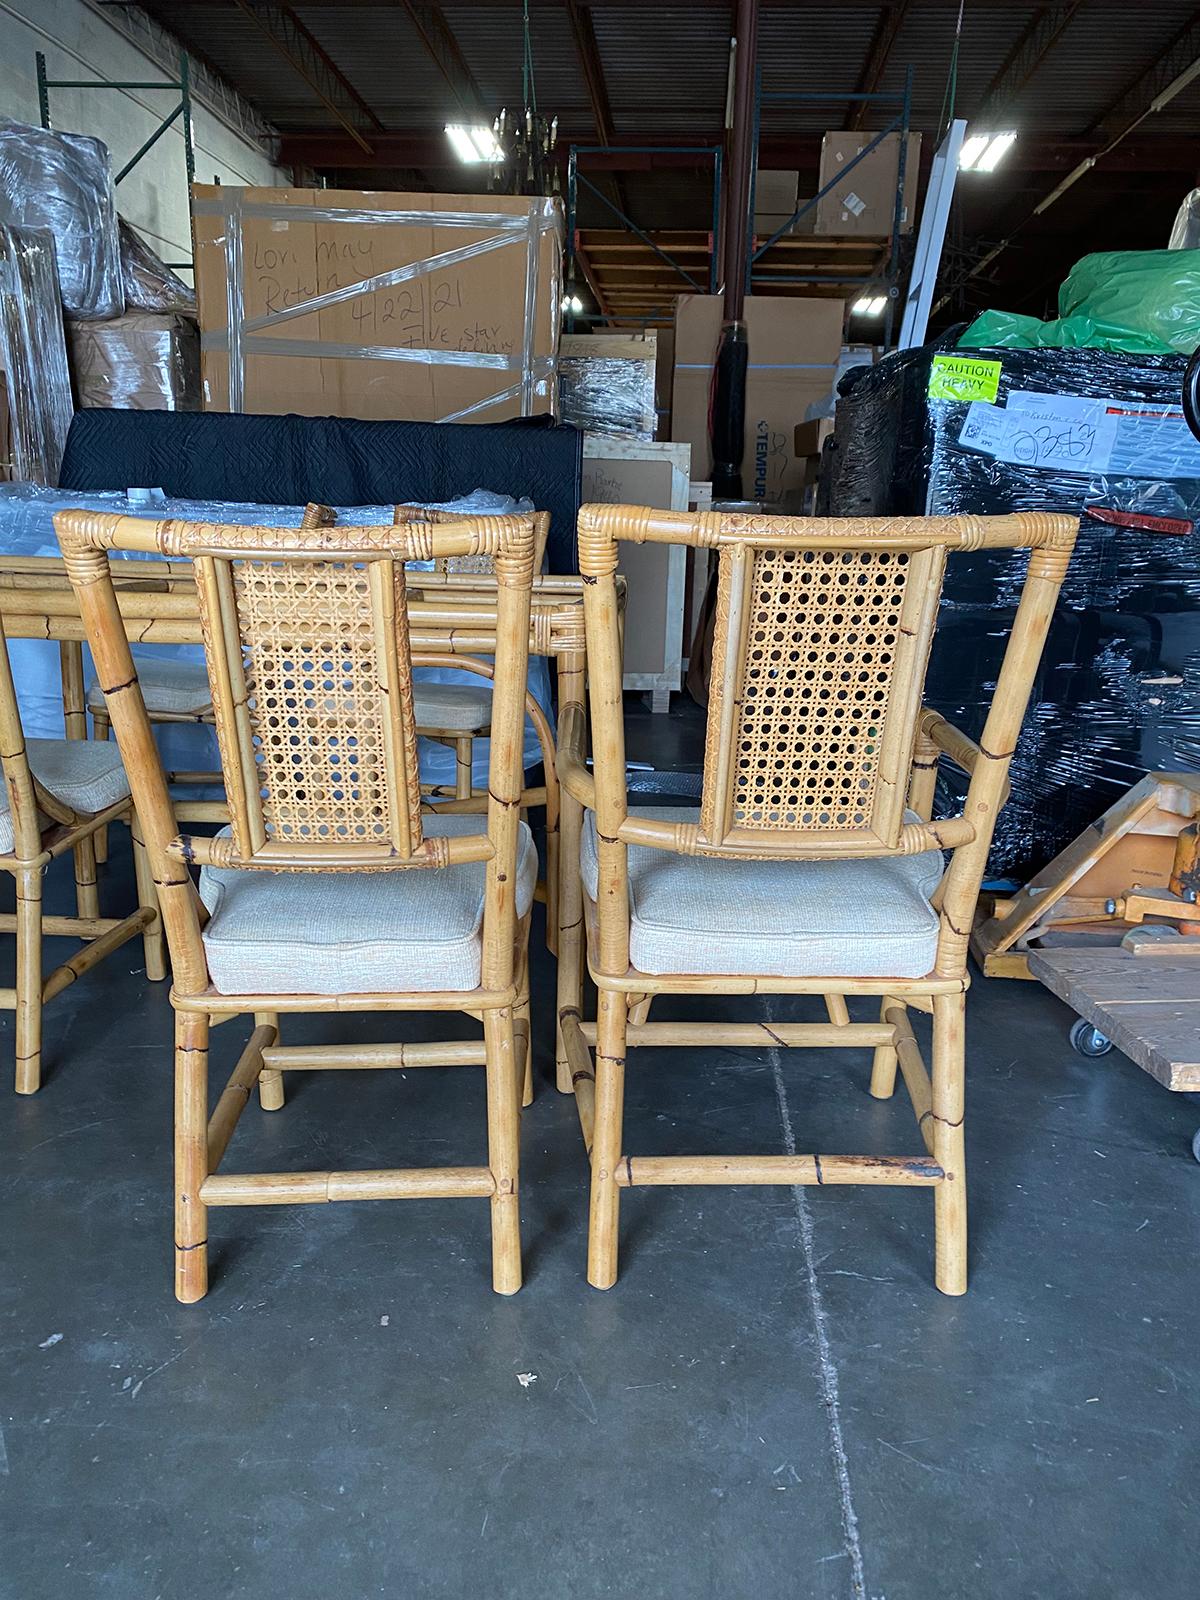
pixel 103 945
pixel 754 1035
pixel 322 1188
pixel 359 1057
pixel 236 1094
pixel 638 1172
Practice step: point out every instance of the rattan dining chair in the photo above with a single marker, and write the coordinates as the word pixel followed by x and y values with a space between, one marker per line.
pixel 330 891
pixel 456 714
pixel 57 795
pixel 812 865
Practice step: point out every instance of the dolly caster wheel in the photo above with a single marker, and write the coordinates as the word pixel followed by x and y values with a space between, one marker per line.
pixel 1089 1041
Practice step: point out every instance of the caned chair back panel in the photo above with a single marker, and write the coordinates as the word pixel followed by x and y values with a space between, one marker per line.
pixel 311 680
pixel 483 564
pixel 818 662
pixel 306 640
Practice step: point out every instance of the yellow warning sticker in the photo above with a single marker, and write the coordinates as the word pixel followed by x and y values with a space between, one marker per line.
pixel 963 378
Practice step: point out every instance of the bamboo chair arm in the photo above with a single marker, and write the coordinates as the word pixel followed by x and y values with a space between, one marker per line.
pixel 954 744
pixel 573 774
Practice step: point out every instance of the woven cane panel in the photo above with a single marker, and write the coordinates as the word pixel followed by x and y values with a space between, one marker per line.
pixel 822 632
pixel 317 714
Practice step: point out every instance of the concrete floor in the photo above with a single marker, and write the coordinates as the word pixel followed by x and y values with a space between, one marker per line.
pixel 773 1403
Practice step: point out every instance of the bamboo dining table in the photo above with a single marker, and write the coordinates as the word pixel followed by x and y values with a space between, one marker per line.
pixel 450 614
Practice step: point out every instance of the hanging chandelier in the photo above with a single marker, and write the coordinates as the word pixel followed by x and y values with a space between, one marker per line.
pixel 525 140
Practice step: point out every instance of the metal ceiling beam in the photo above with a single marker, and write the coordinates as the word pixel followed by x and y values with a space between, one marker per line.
pixel 292 40
pixel 891 20
pixel 445 52
pixel 1173 71
pixel 588 51
pixel 423 147
pixel 1034 43
pixel 1138 99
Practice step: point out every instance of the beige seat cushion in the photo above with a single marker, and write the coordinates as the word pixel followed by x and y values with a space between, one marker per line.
pixel 457 707
pixel 788 919
pixel 177 687
pixel 85 774
pixel 354 932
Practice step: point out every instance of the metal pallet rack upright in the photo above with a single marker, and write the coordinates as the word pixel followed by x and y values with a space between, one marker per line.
pixel 898 123
pixel 180 86
pixel 576 257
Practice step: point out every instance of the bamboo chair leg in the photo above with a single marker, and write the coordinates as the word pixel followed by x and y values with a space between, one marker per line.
pixel 463 760
pixel 29 981
pixel 504 1132
pixel 191 1156
pixel 87 895
pixel 883 1065
pixel 270 1079
pixel 606 1140
pixel 100 730
pixel 153 943
pixel 950 1195
pixel 524 1049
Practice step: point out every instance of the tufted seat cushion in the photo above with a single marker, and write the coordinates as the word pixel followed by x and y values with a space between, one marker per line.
pixel 354 932
pixel 456 707
pixel 177 687
pixel 790 919
pixel 84 774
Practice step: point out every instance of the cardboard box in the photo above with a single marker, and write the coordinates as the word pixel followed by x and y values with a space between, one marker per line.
pixel 774 196
pixel 794 346
pixel 864 205
pixel 377 305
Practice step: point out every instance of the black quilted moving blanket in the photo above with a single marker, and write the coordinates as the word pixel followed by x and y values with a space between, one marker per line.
pixel 338 460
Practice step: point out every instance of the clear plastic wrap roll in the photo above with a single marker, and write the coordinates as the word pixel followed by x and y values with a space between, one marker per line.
pixel 62 182
pixel 1118 688
pixel 143 361
pixel 33 355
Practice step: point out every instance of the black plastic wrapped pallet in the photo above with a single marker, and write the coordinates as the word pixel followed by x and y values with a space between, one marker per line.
pixel 1118 689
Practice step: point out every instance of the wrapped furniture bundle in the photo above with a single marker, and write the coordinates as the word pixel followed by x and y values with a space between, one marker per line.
pixel 1090 432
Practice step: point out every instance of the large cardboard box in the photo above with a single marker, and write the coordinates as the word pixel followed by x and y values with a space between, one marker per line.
pixel 864 204
pixel 794 347
pixel 774 196
pixel 417 307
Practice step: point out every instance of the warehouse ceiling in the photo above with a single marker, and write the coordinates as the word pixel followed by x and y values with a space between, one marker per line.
pixel 360 93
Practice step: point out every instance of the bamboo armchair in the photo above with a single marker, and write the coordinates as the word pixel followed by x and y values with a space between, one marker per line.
pixel 812 866
pixel 59 795
pixel 455 715
pixel 306 641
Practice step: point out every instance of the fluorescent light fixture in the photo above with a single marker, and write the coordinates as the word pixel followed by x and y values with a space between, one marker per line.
pixel 983 152
pixel 473 144
pixel 870 305
pixel 572 303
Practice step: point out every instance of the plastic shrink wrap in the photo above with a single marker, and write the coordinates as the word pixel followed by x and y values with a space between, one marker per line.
pixel 1086 432
pixel 33 356
pixel 62 182
pixel 605 394
pixel 143 361
pixel 148 283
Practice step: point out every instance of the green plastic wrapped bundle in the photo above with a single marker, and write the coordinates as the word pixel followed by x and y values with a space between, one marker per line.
pixel 1141 302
